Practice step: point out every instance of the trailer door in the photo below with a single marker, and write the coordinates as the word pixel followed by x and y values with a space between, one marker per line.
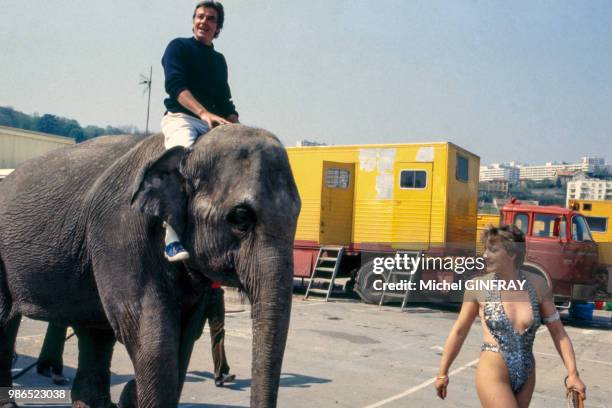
pixel 412 193
pixel 338 185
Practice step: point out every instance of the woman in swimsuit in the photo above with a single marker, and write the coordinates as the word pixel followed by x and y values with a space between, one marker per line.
pixel 505 377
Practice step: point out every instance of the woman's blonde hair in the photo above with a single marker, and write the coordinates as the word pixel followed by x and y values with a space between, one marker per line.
pixel 511 238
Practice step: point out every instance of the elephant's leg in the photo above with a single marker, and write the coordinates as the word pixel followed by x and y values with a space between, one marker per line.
pixel 91 386
pixel 8 334
pixel 153 349
pixel 129 395
pixel 50 359
pixel 191 330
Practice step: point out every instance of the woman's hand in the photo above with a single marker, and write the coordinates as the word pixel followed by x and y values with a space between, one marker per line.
pixel 456 337
pixel 573 382
pixel 441 385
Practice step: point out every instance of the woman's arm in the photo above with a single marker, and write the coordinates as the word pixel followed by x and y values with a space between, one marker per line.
pixel 456 337
pixel 562 342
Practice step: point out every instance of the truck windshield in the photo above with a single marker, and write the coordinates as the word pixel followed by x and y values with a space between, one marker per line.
pixel 580 229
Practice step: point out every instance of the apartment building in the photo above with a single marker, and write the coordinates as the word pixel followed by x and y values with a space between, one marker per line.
pixel 513 171
pixel 499 171
pixel 589 189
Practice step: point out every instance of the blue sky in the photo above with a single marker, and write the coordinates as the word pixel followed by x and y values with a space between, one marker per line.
pixel 526 81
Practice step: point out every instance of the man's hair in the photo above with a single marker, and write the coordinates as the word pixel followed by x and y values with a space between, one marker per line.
pixel 218 7
pixel 511 238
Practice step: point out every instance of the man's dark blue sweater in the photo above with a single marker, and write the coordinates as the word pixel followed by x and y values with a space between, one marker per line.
pixel 189 64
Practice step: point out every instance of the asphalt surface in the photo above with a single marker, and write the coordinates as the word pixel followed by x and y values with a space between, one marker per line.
pixel 348 354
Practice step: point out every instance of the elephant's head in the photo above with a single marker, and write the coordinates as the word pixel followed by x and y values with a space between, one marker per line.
pixel 235 204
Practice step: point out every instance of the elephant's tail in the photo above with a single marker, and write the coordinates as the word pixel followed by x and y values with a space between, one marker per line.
pixel 5 296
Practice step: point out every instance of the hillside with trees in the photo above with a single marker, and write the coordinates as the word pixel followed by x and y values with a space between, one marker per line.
pixel 57 125
pixel 543 192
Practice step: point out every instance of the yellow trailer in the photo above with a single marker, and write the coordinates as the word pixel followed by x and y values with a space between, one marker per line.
pixel 383 199
pixel 597 214
pixel 482 222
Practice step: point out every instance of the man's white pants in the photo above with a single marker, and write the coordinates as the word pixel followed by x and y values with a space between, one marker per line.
pixel 180 129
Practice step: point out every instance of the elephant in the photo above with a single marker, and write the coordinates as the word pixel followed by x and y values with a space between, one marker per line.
pixel 81 244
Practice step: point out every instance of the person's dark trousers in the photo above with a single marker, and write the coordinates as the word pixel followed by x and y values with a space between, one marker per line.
pixel 52 350
pixel 215 314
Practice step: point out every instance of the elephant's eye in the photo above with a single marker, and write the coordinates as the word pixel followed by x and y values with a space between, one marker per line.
pixel 242 217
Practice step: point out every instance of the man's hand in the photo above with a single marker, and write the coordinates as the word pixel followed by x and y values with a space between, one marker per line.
pixel 212 119
pixel 186 99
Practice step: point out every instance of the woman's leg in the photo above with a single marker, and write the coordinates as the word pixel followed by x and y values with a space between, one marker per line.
pixel 493 383
pixel 524 395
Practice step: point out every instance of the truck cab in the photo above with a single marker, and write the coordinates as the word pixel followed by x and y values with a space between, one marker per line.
pixel 559 246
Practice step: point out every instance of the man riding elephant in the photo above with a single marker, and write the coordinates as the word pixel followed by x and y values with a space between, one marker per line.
pixel 199 96
pixel 82 239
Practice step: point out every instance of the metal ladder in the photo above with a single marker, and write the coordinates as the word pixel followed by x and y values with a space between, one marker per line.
pixel 396 276
pixel 325 270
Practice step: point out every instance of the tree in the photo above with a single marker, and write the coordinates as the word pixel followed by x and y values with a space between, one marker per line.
pixel 49 124
pixel 57 125
pixel 13 118
pixel 77 134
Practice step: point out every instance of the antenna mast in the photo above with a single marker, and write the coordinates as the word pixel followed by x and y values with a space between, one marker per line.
pixel 147 83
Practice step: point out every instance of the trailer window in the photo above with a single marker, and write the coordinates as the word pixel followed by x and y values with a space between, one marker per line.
pixel 522 222
pixel 597 224
pixel 462 168
pixel 580 229
pixel 337 178
pixel 413 179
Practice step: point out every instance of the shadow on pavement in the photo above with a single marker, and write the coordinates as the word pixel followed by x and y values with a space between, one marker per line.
pixel 187 405
pixel 31 378
pixel 290 380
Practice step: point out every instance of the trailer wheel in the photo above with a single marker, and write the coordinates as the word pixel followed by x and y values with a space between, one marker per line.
pixel 365 283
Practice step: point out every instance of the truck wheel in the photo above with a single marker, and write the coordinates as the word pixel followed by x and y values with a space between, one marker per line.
pixel 538 272
pixel 365 283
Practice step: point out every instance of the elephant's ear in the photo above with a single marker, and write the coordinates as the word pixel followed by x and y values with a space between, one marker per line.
pixel 160 189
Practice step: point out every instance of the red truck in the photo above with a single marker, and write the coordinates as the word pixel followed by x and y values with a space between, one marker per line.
pixel 560 248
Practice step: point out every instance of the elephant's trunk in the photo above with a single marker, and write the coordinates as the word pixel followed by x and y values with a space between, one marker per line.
pixel 271 313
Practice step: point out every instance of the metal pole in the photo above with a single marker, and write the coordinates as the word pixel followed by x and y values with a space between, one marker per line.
pixel 149 101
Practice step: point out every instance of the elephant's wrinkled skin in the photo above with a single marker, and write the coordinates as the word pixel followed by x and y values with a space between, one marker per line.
pixel 81 243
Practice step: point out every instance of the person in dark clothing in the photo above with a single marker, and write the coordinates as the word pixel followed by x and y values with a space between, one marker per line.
pixel 215 315
pixel 199 96
pixel 185 62
pixel 50 362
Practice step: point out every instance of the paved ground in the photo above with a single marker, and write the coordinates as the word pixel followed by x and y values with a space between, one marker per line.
pixel 348 354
